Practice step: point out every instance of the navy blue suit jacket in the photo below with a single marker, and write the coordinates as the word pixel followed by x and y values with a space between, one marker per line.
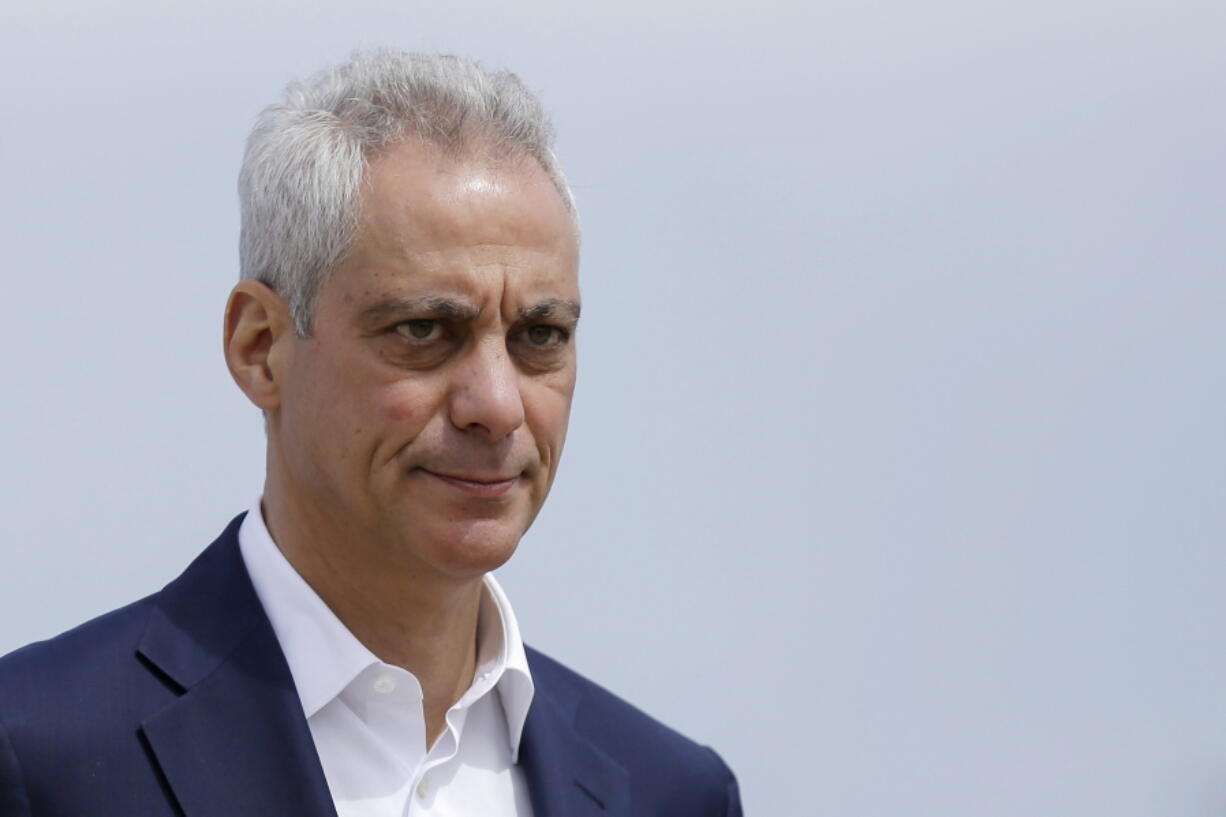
pixel 182 704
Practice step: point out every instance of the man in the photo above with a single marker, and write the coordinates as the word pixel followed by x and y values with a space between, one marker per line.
pixel 405 322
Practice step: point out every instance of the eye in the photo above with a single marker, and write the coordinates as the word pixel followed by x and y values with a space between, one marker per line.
pixel 421 329
pixel 542 335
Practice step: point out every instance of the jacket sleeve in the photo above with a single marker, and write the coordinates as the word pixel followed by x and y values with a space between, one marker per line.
pixel 734 799
pixel 14 802
pixel 732 791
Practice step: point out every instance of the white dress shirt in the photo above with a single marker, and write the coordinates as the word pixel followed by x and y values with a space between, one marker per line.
pixel 366 716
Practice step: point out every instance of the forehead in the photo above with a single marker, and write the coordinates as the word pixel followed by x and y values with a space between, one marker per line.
pixel 416 200
pixel 491 233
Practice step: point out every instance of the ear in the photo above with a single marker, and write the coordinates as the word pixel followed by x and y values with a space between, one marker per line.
pixel 258 332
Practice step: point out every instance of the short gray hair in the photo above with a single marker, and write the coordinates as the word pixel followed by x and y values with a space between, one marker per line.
pixel 302 172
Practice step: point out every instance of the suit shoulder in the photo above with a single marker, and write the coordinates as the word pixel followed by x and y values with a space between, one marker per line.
pixel 77 652
pixel 628 734
pixel 112 638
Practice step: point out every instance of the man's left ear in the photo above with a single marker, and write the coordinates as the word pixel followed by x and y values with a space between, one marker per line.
pixel 258 330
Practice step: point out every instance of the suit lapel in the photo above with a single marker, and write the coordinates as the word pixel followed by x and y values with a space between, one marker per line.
pixel 567 775
pixel 235 742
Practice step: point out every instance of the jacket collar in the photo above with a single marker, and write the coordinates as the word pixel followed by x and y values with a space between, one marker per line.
pixel 567 775
pixel 235 742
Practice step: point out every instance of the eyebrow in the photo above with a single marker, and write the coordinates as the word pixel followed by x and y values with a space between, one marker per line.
pixel 442 306
pixel 433 306
pixel 551 308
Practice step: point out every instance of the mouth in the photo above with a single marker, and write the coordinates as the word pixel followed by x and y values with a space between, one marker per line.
pixel 488 486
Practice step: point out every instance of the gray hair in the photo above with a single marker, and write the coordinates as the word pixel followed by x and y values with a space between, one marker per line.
pixel 302 172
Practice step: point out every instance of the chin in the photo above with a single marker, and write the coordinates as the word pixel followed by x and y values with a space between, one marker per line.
pixel 475 548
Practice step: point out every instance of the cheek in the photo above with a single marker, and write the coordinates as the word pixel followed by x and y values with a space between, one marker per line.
pixel 345 407
pixel 548 413
pixel 409 404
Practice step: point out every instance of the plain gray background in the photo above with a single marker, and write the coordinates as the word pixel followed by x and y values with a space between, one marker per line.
pixel 896 466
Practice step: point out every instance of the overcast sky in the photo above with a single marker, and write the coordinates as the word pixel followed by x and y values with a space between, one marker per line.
pixel 896 470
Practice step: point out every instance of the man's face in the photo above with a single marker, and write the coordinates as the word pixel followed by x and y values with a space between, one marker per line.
pixel 424 417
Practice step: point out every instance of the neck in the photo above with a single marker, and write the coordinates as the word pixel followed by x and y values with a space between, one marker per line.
pixel 406 617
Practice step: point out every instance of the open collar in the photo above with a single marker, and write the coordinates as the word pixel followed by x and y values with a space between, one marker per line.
pixel 324 656
pixel 235 743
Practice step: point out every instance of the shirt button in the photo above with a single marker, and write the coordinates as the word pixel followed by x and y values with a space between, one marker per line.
pixel 423 788
pixel 383 684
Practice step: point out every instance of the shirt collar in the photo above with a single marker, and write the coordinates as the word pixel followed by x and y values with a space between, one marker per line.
pixel 514 679
pixel 324 656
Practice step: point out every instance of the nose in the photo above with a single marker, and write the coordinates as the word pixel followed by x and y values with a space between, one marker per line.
pixel 485 397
